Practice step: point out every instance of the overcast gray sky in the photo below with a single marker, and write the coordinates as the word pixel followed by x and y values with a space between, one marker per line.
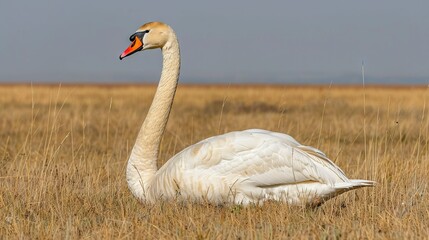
pixel 224 41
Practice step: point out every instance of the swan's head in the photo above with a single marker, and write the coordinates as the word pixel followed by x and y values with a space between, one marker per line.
pixel 149 36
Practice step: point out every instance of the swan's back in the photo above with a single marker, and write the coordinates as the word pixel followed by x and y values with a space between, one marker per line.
pixel 250 167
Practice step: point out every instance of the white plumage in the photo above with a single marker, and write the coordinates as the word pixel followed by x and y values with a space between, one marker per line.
pixel 241 167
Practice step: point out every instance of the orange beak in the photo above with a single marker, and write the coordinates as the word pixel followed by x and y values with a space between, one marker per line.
pixel 135 46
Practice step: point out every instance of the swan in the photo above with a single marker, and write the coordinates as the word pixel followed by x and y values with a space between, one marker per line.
pixel 241 167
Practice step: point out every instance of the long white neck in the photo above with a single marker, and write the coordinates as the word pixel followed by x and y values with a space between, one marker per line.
pixel 142 164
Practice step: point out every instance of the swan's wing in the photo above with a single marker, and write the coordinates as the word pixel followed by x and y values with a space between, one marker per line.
pixel 260 158
pixel 319 154
pixel 306 153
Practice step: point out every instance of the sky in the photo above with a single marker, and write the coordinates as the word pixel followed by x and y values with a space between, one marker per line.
pixel 223 41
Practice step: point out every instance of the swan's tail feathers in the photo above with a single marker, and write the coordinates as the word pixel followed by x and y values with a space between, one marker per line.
pixel 355 183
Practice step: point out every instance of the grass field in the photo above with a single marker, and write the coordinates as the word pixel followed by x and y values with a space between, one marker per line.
pixel 63 151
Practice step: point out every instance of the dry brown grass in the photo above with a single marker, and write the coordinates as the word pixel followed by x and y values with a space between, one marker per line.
pixel 63 151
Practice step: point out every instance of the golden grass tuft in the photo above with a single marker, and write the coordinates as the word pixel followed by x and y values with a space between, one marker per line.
pixel 63 151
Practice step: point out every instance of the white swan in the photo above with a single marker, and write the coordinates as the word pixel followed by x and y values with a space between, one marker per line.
pixel 242 167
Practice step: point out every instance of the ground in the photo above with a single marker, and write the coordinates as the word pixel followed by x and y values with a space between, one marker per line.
pixel 63 151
